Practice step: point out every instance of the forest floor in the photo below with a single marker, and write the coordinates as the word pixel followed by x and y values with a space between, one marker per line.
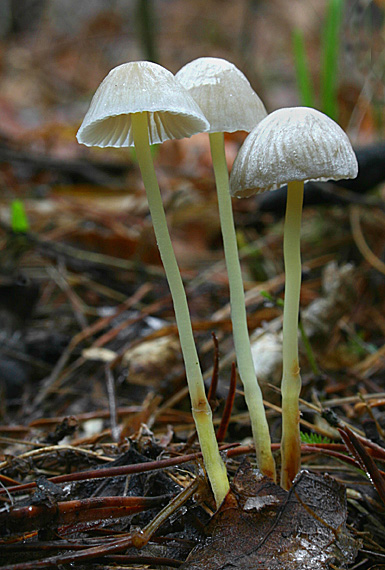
pixel 99 463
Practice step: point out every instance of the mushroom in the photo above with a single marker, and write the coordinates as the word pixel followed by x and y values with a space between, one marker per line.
pixel 291 146
pixel 230 104
pixel 138 104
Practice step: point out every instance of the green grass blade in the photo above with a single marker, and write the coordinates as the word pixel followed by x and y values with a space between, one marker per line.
pixel 304 82
pixel 330 56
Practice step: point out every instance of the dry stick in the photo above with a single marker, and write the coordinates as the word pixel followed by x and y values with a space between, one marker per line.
pixel 303 422
pixel 348 400
pixel 103 290
pixel 83 417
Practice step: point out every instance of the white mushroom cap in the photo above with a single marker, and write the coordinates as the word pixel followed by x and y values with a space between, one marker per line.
pixel 223 93
pixel 133 88
pixel 297 143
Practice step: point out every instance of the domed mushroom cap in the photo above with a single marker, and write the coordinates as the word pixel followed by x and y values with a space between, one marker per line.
pixel 223 93
pixel 297 143
pixel 133 88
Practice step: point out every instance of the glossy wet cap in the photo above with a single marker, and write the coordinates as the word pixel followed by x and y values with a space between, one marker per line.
pixel 223 93
pixel 133 88
pixel 297 143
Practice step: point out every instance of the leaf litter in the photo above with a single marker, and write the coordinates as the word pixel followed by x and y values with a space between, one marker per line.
pixel 260 525
pixel 101 314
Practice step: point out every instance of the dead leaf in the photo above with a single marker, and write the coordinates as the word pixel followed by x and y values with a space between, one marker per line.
pixel 261 526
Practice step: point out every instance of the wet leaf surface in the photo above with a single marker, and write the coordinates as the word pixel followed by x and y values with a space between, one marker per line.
pixel 261 526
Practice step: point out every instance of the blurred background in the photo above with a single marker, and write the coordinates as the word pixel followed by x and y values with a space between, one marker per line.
pixel 54 53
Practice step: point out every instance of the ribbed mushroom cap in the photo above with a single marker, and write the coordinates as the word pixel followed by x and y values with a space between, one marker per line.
pixel 133 88
pixel 297 143
pixel 223 93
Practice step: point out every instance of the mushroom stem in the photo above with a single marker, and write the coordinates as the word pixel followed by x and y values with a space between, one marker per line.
pixel 216 470
pixel 291 379
pixel 253 394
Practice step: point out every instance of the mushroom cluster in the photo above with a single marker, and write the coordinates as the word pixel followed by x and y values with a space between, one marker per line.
pixel 142 103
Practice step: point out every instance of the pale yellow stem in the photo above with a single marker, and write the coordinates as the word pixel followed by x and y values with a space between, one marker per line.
pixel 291 379
pixel 253 393
pixel 216 470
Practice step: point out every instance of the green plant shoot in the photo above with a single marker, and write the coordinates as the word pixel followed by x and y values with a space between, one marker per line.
pixel 313 438
pixel 304 82
pixel 329 62
pixel 19 220
pixel 331 45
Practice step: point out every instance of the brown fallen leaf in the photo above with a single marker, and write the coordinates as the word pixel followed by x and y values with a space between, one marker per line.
pixel 260 526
